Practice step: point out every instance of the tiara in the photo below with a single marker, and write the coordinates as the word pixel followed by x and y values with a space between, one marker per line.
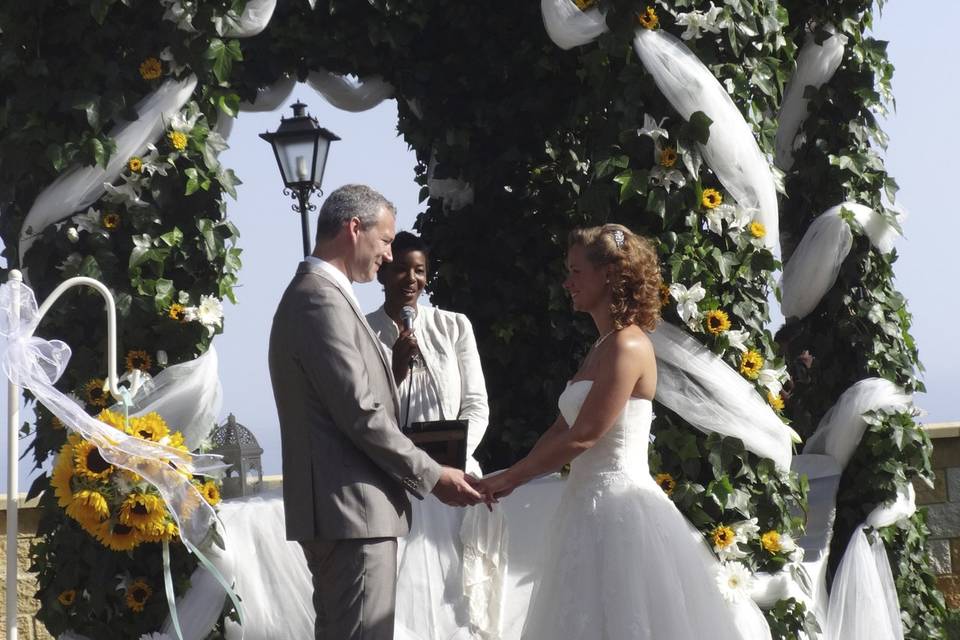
pixel 618 238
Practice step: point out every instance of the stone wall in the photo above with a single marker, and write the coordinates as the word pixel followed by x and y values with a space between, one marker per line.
pixel 28 628
pixel 943 509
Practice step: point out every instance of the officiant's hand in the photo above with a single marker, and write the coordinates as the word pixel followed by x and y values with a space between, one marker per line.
pixel 454 489
pixel 404 350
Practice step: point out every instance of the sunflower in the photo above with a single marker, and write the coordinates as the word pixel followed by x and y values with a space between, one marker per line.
pixel 583 5
pixel 775 401
pixel 138 359
pixel 112 418
pixel 111 221
pixel 648 19
pixel 757 230
pixel 117 536
pixel 135 165
pixel 178 140
pixel 137 594
pixel 666 482
pixel 149 427
pixel 750 364
pixel 62 475
pixel 176 441
pixel 177 312
pixel 89 508
pixel 150 69
pixel 668 157
pixel 210 492
pixel 89 463
pixel 771 541
pixel 144 511
pixel 165 531
pixel 717 322
pixel 711 198
pixel 723 536
pixel 67 598
pixel 94 393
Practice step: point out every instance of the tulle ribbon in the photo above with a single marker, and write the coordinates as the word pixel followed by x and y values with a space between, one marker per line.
pixel 701 388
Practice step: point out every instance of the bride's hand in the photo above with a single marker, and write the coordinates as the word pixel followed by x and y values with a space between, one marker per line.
pixel 497 486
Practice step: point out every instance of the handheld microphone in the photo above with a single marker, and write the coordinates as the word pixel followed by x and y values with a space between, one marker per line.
pixel 407 314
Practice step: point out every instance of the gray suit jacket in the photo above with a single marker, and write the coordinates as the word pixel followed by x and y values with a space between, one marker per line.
pixel 346 465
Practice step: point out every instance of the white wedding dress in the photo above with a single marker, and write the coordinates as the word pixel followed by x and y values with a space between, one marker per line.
pixel 620 561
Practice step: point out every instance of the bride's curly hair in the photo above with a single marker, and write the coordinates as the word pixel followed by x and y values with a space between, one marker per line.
pixel 635 278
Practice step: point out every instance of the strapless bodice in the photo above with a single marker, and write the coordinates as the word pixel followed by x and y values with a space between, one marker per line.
pixel 623 448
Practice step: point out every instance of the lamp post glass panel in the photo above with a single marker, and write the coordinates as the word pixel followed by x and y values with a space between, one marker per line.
pixel 301 146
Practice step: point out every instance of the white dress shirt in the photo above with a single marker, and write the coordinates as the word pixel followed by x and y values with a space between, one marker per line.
pixel 338 276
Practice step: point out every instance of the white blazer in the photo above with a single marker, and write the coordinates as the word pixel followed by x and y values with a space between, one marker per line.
pixel 449 352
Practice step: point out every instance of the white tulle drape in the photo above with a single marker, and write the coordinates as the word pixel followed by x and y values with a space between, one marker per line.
pixel 79 187
pixel 570 27
pixel 731 152
pixel 816 64
pixel 36 364
pixel 863 600
pixel 812 268
pixel 256 15
pixel 198 610
pixel 349 95
pixel 842 427
pixel 186 395
pixel 706 392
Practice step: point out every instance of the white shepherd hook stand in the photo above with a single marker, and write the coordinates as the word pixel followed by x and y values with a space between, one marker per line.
pixel 13 417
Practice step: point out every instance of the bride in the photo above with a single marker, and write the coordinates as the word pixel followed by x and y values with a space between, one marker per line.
pixel 620 561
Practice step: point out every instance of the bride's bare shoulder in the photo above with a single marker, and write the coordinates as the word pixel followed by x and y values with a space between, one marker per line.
pixel 634 341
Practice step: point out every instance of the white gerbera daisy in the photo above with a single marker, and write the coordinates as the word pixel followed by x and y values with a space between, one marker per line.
pixel 734 581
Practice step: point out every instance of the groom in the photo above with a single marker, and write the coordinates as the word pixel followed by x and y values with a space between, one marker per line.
pixel 346 465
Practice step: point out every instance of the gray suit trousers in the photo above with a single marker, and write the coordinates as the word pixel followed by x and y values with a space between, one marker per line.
pixel 354 587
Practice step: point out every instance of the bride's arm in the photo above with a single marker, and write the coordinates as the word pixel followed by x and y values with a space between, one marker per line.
pixel 631 357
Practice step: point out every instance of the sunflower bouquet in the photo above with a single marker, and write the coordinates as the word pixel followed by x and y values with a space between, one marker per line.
pixel 114 505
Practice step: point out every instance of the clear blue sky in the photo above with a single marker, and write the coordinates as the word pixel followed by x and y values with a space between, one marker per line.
pixel 921 157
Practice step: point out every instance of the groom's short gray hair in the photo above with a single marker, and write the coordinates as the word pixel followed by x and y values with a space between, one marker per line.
pixel 351 201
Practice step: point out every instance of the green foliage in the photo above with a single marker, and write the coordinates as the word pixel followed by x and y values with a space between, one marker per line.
pixel 862 326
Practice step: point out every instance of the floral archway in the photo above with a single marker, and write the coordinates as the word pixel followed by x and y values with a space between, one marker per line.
pixel 518 140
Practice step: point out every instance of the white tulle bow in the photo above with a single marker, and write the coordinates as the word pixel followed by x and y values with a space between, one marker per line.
pixel 36 364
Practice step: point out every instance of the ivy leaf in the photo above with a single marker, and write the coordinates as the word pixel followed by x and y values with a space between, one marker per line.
pixel 699 127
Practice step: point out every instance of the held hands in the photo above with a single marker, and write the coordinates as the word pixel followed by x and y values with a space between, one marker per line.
pixel 456 489
pixel 404 349
pixel 496 486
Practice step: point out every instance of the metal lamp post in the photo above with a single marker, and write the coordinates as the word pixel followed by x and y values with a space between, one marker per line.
pixel 301 146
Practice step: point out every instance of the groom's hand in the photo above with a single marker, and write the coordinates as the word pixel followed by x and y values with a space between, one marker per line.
pixel 453 489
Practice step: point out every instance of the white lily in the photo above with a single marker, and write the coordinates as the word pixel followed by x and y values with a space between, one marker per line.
pixel 184 120
pixel 697 21
pixel 91 222
pixel 687 300
pixel 180 13
pixel 128 193
pixel 666 178
pixel 718 215
pixel 746 530
pixel 738 339
pixel 653 129
pixel 152 163
pixel 772 379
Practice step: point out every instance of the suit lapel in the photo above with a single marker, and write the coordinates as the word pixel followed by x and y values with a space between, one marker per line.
pixel 348 295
